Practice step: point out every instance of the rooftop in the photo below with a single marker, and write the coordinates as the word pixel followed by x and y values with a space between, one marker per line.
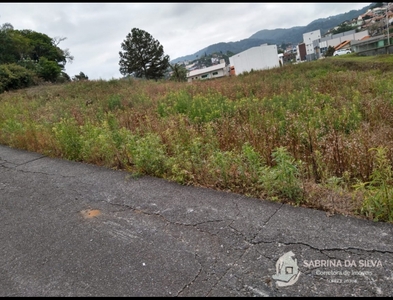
pixel 206 70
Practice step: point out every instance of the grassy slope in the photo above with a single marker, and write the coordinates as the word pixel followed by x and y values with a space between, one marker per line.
pixel 317 134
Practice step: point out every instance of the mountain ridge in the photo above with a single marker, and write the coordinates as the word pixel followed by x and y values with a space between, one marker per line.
pixel 278 36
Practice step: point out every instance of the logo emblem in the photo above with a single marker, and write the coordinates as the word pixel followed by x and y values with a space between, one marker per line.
pixel 287 270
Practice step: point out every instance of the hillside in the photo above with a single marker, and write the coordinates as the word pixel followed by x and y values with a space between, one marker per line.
pixel 295 34
pixel 277 36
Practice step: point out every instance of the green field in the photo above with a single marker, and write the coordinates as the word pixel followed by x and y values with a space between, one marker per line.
pixel 317 134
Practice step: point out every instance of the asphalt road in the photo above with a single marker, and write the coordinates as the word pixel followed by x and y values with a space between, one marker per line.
pixel 73 229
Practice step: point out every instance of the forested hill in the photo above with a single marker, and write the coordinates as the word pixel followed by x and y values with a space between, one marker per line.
pixel 277 36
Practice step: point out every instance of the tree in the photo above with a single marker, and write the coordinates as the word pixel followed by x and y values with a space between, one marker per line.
pixel 80 77
pixel 17 46
pixel 142 56
pixel 8 45
pixel 179 73
pixel 48 70
pixel 63 77
pixel 329 51
pixel 34 53
pixel 6 26
pixel 65 52
pixel 44 46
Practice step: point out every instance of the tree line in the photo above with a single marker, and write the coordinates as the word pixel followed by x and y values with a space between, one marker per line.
pixel 29 58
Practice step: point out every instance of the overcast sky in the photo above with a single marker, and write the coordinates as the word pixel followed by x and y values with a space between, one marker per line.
pixel 95 31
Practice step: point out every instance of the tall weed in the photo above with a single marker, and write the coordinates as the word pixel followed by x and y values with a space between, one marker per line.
pixel 282 180
pixel 378 192
pixel 68 138
pixel 148 154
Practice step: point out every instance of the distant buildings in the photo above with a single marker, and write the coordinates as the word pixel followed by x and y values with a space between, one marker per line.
pixel 256 58
pixel 314 46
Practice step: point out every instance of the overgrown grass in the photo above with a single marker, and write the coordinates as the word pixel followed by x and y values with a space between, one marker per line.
pixel 317 134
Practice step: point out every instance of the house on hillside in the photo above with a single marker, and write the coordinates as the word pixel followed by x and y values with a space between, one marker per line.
pixel 373 45
pixel 214 71
pixel 191 67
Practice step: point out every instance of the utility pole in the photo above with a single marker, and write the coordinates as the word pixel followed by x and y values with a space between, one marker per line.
pixel 387 22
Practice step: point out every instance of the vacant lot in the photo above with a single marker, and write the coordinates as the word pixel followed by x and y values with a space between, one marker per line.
pixel 317 134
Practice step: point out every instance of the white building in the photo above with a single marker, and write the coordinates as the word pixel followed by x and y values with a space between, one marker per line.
pixel 308 39
pixel 256 58
pixel 215 71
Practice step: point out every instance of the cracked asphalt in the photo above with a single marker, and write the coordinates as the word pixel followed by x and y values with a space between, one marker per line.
pixel 74 229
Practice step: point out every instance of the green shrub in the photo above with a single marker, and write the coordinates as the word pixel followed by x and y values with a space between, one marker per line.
pixel 378 192
pixel 68 138
pixel 199 108
pixel 114 102
pixel 221 165
pixel 282 179
pixel 11 129
pixel 148 154
pixel 13 76
pixel 97 145
pixel 252 166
